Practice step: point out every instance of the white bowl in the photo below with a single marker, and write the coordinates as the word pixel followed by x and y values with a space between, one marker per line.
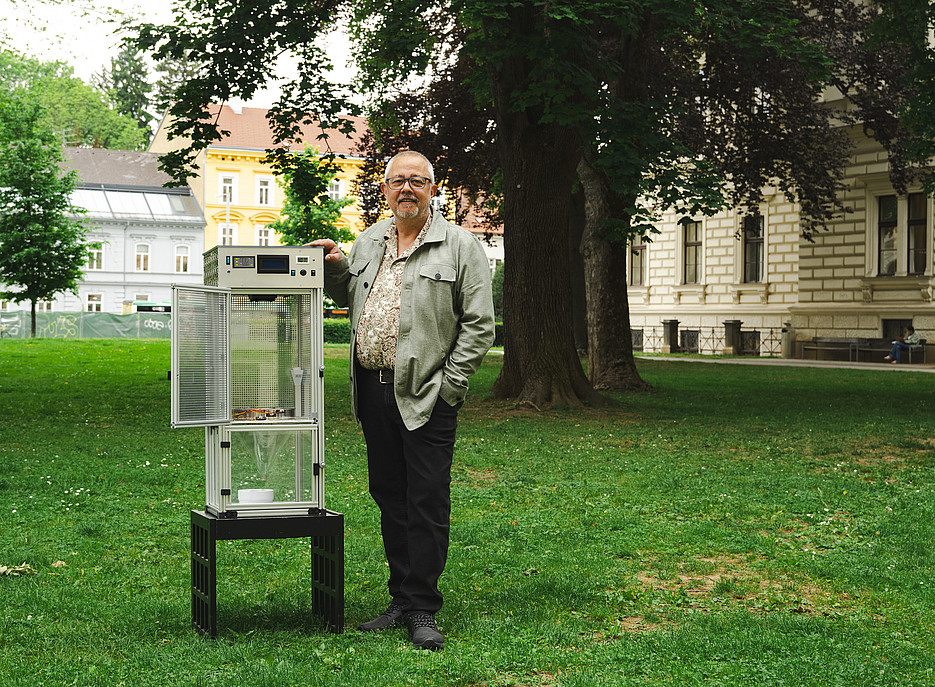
pixel 255 495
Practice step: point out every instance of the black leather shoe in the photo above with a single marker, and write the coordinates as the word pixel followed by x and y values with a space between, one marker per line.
pixel 388 618
pixel 424 632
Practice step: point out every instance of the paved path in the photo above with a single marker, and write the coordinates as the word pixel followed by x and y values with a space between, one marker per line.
pixel 794 362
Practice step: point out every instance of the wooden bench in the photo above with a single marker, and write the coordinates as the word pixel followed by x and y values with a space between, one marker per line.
pixel 829 343
pixel 882 347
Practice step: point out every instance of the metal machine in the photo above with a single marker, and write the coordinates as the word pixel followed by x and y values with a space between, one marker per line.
pixel 247 365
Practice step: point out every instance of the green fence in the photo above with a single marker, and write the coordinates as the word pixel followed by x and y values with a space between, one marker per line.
pixel 87 325
pixel 141 325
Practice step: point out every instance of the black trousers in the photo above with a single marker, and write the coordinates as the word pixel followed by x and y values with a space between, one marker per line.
pixel 410 481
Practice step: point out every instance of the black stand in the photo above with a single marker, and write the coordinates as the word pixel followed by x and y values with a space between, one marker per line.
pixel 327 547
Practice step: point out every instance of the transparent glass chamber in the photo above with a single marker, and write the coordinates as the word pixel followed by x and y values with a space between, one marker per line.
pixel 275 464
pixel 271 359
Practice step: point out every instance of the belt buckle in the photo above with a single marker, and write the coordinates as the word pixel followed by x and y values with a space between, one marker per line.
pixel 385 376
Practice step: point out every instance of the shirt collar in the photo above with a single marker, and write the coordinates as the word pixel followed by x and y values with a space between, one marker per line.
pixel 392 236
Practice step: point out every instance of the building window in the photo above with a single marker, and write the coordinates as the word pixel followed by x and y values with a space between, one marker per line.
pixel 902 235
pixel 692 252
pixel 887 220
pixel 262 235
pixel 142 257
pixel 93 303
pixel 227 188
pixel 264 190
pixel 918 223
pixel 334 190
pixel 44 306
pixel 95 257
pixel 753 231
pixel 637 262
pixel 227 234
pixel 181 259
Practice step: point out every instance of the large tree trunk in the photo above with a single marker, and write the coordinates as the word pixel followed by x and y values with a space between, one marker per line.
pixel 540 363
pixel 610 344
pixel 538 159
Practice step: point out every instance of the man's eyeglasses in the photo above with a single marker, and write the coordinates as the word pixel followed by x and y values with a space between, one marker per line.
pixel 415 183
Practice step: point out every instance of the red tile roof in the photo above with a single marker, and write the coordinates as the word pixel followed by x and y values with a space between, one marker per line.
pixel 249 128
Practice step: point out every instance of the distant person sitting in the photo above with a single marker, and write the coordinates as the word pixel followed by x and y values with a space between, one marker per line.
pixel 903 344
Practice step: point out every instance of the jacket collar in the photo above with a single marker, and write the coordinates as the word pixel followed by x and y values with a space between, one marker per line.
pixel 438 229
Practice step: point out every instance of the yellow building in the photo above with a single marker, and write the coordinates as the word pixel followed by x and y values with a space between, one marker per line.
pixel 238 192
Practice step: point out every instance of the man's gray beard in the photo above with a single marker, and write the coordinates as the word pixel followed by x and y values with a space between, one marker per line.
pixel 406 214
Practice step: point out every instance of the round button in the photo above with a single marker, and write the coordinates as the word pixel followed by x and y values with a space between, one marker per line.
pixel 302 272
pixel 438 275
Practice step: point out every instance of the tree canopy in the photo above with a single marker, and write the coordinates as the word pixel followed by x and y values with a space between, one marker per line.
pixel 650 105
pixel 127 86
pixel 171 73
pixel 309 211
pixel 79 113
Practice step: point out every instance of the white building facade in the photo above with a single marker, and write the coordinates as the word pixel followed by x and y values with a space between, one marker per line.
pixel 868 275
pixel 143 237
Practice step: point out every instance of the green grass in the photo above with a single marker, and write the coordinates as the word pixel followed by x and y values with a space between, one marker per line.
pixel 739 525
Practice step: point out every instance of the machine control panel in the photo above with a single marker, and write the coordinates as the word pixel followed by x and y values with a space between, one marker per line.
pixel 274 267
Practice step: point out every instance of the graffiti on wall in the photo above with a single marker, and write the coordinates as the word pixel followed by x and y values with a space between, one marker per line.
pixel 92 325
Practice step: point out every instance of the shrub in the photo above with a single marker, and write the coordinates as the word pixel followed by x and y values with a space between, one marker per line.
pixel 337 330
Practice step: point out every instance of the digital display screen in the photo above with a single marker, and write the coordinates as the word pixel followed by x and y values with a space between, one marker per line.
pixel 272 264
pixel 247 261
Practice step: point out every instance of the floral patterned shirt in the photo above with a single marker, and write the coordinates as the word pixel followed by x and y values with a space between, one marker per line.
pixel 378 326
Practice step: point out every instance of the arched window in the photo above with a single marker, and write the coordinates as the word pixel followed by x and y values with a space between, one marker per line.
pixel 181 259
pixel 142 257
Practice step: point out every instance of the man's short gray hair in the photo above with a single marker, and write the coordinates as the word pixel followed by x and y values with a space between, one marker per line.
pixel 413 153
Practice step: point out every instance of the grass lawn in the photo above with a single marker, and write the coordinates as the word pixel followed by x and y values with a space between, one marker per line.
pixel 739 525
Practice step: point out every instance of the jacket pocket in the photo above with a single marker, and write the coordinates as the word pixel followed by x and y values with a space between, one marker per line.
pixel 434 304
pixel 445 273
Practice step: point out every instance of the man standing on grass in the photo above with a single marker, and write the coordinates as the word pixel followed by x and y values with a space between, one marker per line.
pixel 418 289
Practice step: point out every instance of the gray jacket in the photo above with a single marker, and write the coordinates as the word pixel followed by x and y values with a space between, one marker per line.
pixel 446 321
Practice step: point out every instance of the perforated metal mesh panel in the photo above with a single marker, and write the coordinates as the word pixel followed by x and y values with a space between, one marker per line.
pixel 211 267
pixel 200 360
pixel 271 359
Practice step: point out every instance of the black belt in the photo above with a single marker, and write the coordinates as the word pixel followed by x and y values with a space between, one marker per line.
pixel 382 376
